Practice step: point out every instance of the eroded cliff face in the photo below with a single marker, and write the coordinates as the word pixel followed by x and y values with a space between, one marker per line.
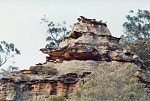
pixel 90 40
pixel 37 89
pixel 42 87
pixel 89 44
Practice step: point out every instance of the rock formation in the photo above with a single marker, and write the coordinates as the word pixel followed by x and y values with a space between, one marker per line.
pixel 90 40
pixel 89 44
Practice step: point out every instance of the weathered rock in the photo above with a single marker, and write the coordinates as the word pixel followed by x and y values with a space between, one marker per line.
pixel 36 89
pixel 88 45
pixel 89 40
pixel 70 72
pixel 90 25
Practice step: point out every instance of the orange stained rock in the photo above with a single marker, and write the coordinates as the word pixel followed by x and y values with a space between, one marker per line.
pixel 61 88
pixel 102 37
pixel 36 87
pixel 47 87
pixel 61 91
pixel 61 85
pixel 68 55
pixel 53 58
pixel 55 53
pixel 103 47
pixel 72 85
pixel 26 71
pixel 116 58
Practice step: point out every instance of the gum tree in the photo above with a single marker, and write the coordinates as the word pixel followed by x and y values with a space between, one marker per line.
pixel 137 34
pixel 7 51
pixel 56 32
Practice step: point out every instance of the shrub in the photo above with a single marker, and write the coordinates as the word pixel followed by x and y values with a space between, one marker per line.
pixel 44 70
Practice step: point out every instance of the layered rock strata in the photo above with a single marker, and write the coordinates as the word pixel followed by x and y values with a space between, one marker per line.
pixel 36 89
pixel 88 45
pixel 90 40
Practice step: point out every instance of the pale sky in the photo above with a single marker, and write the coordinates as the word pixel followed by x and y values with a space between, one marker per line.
pixel 20 21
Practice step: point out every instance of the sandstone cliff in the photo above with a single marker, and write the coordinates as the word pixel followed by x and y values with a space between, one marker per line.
pixel 79 56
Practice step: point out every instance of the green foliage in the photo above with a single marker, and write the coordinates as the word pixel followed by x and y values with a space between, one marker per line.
pixel 111 82
pixel 8 71
pixel 137 25
pixel 137 34
pixel 7 50
pixel 44 70
pixel 142 48
pixel 13 69
pixel 56 32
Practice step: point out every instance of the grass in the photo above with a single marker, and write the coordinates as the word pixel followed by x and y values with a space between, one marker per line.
pixel 111 82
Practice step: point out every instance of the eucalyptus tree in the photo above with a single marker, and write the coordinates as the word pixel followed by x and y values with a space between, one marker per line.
pixel 7 51
pixel 56 32
pixel 137 34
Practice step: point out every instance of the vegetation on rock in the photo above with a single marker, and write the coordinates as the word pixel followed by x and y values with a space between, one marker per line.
pixel 44 70
pixel 113 77
pixel 112 82
pixel 137 34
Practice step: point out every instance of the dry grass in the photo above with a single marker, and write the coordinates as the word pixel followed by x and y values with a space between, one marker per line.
pixel 111 82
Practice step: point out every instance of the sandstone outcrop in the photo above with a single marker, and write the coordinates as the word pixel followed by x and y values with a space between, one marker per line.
pixel 90 40
pixel 89 44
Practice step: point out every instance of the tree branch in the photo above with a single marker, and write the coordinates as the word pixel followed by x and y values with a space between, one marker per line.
pixel 5 60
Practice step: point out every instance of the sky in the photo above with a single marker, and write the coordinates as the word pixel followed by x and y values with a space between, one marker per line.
pixel 20 21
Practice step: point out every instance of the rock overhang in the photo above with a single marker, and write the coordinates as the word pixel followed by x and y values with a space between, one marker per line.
pixel 84 43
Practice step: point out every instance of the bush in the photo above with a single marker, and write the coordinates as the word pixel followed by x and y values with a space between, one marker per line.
pixel 44 70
